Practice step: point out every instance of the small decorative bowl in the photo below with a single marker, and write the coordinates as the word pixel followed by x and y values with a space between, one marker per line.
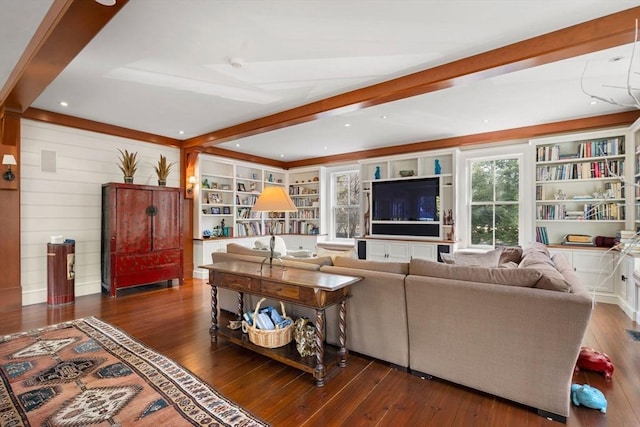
pixel 406 173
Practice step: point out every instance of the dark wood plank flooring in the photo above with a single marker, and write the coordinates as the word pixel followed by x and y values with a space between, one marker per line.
pixel 175 321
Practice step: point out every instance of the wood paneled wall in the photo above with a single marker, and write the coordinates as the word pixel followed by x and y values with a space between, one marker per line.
pixel 63 170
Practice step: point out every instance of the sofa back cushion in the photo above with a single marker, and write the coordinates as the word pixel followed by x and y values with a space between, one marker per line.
pixel 226 256
pixel 362 264
pixel 537 256
pixel 525 277
pixel 318 260
pixel 235 248
pixel 510 254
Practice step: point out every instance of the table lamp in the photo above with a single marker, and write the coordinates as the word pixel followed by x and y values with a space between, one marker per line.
pixel 273 199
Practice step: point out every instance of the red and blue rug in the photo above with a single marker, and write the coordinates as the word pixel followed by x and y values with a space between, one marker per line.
pixel 87 372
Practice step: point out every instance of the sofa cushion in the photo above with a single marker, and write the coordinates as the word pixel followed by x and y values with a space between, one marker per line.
pixel 510 254
pixel 226 256
pixel 319 260
pixel 536 247
pixel 361 264
pixel 485 259
pixel 537 256
pixel 234 248
pixel 525 277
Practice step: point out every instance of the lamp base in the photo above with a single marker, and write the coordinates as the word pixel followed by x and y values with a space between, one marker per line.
pixel 8 175
pixel 270 259
pixel 272 245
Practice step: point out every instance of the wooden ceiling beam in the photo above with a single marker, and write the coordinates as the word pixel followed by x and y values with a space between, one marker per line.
pixel 90 125
pixel 591 36
pixel 66 29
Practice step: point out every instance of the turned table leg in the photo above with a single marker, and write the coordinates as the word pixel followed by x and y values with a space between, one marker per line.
pixel 319 371
pixel 342 326
pixel 214 313
pixel 240 305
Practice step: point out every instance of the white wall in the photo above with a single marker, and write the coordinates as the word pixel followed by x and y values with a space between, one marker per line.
pixel 68 202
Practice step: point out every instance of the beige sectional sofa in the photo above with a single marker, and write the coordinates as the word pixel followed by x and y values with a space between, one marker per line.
pixel 513 331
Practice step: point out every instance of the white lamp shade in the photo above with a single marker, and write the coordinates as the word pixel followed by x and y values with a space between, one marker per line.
pixel 9 159
pixel 274 199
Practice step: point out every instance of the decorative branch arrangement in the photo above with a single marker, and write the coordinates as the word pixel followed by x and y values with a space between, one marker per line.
pixel 629 88
pixel 128 165
pixel 162 170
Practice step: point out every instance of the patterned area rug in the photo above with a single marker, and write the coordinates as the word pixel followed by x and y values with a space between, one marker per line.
pixel 87 372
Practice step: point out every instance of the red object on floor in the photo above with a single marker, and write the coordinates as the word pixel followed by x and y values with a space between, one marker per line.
pixel 592 360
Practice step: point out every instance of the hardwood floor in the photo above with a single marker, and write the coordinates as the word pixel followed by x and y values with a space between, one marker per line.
pixel 175 321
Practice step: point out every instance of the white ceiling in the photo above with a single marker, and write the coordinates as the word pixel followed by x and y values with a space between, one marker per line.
pixel 165 66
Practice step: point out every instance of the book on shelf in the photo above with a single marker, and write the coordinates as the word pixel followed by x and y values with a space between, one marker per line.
pixel 578 238
pixel 541 235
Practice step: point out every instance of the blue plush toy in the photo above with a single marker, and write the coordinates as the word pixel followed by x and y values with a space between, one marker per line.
pixel 588 396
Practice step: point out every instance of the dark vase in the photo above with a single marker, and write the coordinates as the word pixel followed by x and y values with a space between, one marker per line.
pixel 162 182
pixel 128 180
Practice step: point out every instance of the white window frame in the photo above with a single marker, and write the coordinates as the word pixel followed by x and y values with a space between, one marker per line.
pixel 519 151
pixel 331 172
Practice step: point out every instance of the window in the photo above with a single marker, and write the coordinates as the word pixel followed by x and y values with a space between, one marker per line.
pixel 345 204
pixel 495 204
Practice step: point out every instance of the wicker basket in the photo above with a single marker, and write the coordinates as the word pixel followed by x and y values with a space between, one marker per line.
pixel 271 338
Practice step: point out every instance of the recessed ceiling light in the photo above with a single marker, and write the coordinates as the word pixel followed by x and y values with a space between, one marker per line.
pixel 237 145
pixel 64 104
pixel 325 147
pixel 485 121
pixel 181 132
pixel 384 117
pixel 347 125
pixel 281 155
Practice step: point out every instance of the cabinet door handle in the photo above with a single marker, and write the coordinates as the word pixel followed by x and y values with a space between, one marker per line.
pixel 623 277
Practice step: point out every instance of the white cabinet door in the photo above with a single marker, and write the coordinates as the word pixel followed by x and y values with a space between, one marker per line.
pixel 398 252
pixel 424 251
pixel 376 250
pixel 626 286
pixel 595 269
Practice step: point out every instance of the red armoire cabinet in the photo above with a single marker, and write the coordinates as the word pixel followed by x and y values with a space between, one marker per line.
pixel 141 235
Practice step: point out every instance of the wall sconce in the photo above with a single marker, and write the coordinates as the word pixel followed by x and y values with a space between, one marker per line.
pixel 9 160
pixel 192 184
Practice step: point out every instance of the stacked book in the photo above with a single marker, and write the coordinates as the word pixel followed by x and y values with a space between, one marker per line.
pixel 578 240
pixel 629 240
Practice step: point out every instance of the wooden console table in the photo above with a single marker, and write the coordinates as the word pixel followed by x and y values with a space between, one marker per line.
pixel 313 289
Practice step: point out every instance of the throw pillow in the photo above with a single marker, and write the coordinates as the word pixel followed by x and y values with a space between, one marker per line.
pixel 322 252
pixel 510 254
pixel 447 258
pixel 484 259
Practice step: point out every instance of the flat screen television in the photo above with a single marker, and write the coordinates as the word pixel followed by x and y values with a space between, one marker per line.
pixel 406 207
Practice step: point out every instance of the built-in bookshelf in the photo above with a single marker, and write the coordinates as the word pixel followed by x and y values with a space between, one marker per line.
pixel 226 193
pixel 580 184
pixel 306 187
